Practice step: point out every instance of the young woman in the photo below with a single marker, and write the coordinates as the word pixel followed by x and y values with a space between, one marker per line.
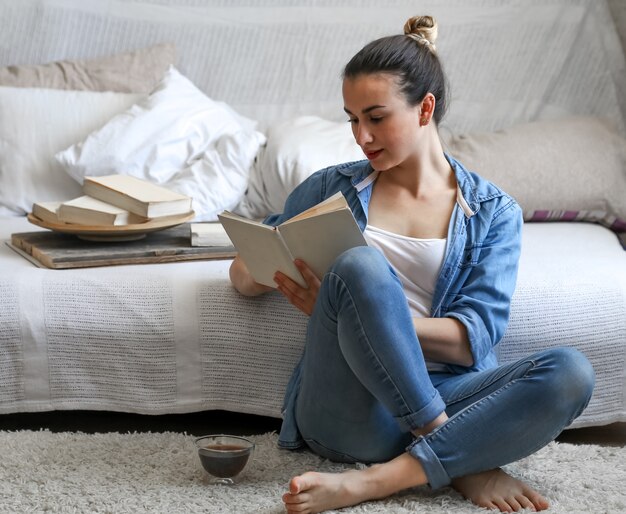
pixel 399 368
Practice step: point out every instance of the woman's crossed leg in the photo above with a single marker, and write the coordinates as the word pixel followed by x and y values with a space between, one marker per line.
pixel 366 396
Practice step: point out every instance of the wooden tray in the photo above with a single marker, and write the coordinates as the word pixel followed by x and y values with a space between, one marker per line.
pixel 110 232
pixel 65 251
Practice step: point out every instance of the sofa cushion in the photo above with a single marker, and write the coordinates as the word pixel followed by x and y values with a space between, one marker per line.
pixel 132 72
pixel 295 149
pixel 176 137
pixel 35 123
pixel 572 169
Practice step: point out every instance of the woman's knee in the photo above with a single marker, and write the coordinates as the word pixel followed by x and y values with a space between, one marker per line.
pixel 361 263
pixel 572 378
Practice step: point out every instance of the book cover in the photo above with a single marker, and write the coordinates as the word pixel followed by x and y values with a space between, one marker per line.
pixel 137 196
pixel 317 236
pixel 86 210
pixel 47 211
pixel 209 234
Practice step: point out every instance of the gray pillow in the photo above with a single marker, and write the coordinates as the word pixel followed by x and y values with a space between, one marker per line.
pixel 572 169
pixel 133 72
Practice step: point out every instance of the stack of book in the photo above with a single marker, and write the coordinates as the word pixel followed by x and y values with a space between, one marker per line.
pixel 115 200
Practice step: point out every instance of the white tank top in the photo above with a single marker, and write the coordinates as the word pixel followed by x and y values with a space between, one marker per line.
pixel 417 263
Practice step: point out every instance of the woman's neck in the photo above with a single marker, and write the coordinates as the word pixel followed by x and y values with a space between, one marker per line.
pixel 426 172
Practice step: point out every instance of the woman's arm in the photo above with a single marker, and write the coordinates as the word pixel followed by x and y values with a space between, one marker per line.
pixel 444 340
pixel 482 303
pixel 243 281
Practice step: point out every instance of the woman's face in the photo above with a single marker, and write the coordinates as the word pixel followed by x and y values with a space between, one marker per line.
pixel 384 125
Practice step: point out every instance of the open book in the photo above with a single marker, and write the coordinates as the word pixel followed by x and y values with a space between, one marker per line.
pixel 317 236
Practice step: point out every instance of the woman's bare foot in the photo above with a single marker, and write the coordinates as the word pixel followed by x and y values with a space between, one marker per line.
pixel 496 489
pixel 316 492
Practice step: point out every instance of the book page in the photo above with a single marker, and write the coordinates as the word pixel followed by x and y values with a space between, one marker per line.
pixel 47 211
pixel 262 249
pixel 332 203
pixel 319 240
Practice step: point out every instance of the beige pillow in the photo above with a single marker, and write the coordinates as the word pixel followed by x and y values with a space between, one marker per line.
pixel 572 169
pixel 133 72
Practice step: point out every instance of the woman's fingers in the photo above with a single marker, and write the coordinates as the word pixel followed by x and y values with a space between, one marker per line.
pixel 307 273
pixel 293 292
pixel 302 298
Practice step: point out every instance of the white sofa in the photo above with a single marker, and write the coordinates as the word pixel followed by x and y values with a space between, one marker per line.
pixel 173 338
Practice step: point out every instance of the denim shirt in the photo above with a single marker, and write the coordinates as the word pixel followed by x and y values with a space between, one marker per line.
pixel 479 270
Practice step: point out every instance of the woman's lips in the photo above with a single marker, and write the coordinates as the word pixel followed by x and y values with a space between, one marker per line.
pixel 373 155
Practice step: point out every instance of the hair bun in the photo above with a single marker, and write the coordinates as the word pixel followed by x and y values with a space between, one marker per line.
pixel 422 29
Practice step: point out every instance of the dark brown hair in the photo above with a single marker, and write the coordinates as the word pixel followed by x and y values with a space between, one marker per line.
pixel 411 58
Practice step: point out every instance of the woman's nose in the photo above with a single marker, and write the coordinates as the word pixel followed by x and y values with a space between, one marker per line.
pixel 362 135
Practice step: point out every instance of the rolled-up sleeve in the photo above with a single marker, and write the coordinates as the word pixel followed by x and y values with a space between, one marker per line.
pixel 483 301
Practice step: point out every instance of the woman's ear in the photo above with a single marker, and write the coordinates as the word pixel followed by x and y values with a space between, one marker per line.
pixel 427 109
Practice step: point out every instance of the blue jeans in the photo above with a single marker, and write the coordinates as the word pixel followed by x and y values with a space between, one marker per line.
pixel 365 385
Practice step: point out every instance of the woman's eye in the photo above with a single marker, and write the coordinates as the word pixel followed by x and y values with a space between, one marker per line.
pixel 352 120
pixel 376 120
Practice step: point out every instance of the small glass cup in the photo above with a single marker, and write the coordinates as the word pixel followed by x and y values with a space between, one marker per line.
pixel 224 456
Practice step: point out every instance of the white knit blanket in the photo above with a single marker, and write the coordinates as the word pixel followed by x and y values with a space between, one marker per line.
pixel 165 338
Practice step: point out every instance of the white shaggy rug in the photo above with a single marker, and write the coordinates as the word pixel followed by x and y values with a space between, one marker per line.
pixel 160 473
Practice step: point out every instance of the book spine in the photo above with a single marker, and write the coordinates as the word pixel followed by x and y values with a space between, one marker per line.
pixel 301 280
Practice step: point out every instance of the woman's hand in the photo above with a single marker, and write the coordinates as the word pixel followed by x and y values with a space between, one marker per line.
pixel 303 298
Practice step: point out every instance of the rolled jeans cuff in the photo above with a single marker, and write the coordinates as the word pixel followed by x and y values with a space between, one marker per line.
pixel 435 472
pixel 423 416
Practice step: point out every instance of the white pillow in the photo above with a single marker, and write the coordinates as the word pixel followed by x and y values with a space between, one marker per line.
pixel 295 149
pixel 34 125
pixel 179 138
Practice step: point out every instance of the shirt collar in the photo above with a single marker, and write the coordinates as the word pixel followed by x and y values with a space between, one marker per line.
pixel 365 177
